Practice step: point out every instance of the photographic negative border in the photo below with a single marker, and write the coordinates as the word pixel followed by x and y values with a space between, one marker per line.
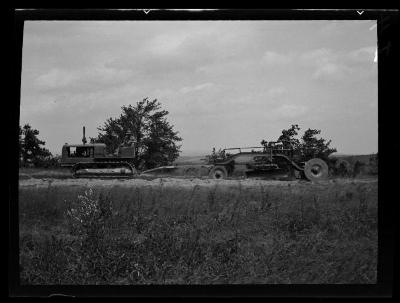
pixel 387 23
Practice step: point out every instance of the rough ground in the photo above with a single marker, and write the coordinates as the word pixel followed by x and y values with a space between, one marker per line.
pixel 169 230
pixel 183 182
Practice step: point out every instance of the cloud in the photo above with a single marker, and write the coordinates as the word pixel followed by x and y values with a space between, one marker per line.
pixel 188 89
pixel 328 64
pixel 76 80
pixel 242 78
pixel 317 56
pixel 362 55
pixel 330 71
pixel 273 58
pixel 167 44
pixel 289 111
pixel 74 103
pixel 276 92
pixel 55 78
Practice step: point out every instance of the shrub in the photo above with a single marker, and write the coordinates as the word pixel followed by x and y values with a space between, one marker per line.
pixel 373 164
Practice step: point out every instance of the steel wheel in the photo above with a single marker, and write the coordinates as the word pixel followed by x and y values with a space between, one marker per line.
pixel 218 172
pixel 316 170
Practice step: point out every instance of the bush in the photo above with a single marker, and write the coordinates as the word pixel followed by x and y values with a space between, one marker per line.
pixel 48 162
pixel 373 164
pixel 340 167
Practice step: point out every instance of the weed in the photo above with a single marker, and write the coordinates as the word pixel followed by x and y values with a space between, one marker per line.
pixel 199 235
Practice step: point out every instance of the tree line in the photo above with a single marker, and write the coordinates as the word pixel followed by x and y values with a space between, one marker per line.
pixel 156 141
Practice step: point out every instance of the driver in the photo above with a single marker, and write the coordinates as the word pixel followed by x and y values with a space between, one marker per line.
pixel 129 139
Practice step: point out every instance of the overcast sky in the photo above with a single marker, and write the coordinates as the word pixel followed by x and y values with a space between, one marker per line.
pixel 225 83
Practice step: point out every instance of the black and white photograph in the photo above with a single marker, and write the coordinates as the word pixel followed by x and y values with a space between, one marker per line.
pixel 198 152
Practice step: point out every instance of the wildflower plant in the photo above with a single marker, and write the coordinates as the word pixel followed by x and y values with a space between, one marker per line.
pixel 88 214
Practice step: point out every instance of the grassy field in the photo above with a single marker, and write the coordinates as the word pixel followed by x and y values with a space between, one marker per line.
pixel 225 232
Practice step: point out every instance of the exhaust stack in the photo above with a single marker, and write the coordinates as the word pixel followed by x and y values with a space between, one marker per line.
pixel 84 138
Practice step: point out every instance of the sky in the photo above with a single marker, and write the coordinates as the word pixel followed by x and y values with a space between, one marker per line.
pixel 224 83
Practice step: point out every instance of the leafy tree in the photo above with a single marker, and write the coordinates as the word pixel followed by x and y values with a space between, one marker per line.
pixel 31 147
pixel 155 140
pixel 288 136
pixel 313 147
pixel 308 147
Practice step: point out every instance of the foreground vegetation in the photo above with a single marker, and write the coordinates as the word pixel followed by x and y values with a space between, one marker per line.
pixel 301 233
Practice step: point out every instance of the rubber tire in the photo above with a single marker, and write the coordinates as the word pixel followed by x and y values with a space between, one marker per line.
pixel 218 173
pixel 322 167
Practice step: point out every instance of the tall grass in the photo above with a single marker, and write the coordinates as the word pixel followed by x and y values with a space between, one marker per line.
pixel 162 235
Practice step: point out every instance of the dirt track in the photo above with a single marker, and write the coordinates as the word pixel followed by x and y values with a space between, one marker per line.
pixel 180 182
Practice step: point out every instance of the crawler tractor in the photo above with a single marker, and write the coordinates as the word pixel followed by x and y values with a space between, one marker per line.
pixel 91 160
pixel 277 157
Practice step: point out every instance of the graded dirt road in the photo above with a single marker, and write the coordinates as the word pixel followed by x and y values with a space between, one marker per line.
pixel 182 182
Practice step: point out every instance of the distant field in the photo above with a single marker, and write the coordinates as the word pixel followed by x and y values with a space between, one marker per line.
pixel 197 231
